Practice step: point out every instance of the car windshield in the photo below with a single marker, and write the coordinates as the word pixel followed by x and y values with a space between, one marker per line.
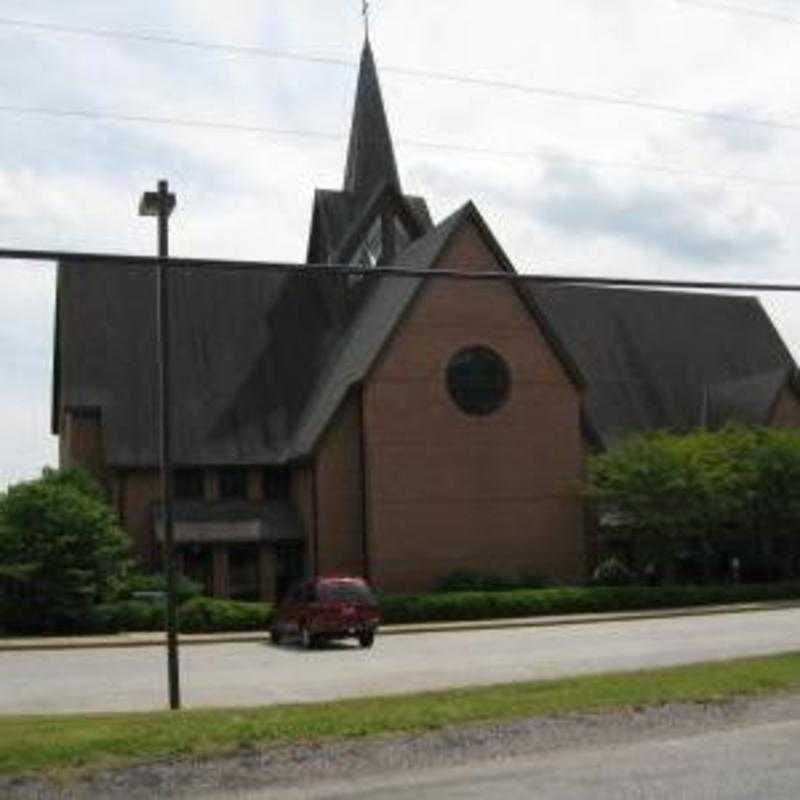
pixel 345 593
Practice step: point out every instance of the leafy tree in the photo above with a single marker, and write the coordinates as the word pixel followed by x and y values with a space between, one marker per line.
pixel 774 495
pixel 664 489
pixel 61 552
pixel 644 487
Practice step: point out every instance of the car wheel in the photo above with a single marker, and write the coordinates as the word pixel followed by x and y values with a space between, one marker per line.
pixel 366 639
pixel 275 636
pixel 307 639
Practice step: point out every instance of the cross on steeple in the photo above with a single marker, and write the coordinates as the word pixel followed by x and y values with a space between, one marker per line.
pixel 365 14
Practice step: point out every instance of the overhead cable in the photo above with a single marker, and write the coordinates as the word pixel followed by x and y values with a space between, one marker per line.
pixel 749 12
pixel 462 272
pixel 450 77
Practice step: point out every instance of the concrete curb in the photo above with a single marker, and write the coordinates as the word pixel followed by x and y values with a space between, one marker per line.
pixel 151 639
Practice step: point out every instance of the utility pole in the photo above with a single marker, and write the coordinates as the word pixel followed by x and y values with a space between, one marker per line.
pixel 160 204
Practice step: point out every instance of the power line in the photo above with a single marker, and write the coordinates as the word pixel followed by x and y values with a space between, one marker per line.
pixel 541 155
pixel 465 272
pixel 449 77
pixel 592 97
pixel 749 12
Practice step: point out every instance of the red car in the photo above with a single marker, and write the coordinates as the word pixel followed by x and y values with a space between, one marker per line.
pixel 322 609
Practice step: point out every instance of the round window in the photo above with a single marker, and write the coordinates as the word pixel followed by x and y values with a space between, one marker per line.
pixel 478 380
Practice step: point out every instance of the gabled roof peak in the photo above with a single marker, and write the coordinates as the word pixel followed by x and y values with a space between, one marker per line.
pixel 370 155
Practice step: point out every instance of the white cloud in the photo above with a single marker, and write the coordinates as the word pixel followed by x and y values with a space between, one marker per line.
pixel 27 447
pixel 704 226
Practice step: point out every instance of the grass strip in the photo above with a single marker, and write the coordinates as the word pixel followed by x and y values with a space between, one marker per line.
pixel 57 744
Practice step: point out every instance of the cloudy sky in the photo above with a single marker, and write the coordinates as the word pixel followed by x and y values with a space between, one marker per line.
pixel 575 169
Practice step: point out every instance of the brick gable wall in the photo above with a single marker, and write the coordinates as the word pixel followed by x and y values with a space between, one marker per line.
pixel 786 413
pixel 449 491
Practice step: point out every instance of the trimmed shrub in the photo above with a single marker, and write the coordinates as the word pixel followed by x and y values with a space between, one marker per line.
pixel 465 606
pixel 185 588
pixel 198 615
pixel 126 615
pixel 205 614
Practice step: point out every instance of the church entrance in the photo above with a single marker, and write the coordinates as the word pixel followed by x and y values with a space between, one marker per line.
pixel 196 562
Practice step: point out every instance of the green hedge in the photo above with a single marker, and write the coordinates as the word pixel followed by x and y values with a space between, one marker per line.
pixel 572 600
pixel 198 615
pixel 203 614
pixel 207 615
pixel 185 588
pixel 126 615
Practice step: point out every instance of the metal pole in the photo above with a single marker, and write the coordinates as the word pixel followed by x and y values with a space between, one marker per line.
pixel 166 450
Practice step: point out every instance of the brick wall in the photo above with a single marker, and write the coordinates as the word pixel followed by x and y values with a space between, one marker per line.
pixel 446 490
pixel 138 491
pixel 340 493
pixel 301 493
pixel 786 413
pixel 81 443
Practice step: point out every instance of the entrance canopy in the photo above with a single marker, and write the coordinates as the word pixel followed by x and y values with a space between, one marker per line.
pixel 204 523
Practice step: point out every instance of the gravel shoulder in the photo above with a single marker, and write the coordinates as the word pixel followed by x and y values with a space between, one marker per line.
pixel 304 765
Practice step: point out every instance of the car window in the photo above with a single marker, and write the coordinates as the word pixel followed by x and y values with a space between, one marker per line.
pixel 345 593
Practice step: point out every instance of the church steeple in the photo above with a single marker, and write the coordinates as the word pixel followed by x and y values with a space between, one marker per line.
pixel 370 156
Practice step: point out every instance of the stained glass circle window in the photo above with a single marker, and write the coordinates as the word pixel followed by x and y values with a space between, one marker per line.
pixel 478 380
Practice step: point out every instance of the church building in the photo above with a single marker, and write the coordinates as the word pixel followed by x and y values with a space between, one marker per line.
pixel 400 426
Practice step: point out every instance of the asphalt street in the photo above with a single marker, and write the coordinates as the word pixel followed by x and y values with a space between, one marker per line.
pixel 759 761
pixel 245 674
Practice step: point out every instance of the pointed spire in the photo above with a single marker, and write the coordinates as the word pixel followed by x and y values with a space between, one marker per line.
pixel 365 14
pixel 370 156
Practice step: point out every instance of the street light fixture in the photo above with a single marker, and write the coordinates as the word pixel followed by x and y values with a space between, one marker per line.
pixel 161 204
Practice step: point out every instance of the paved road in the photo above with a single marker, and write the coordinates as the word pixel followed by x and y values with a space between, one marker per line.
pixel 257 673
pixel 750 762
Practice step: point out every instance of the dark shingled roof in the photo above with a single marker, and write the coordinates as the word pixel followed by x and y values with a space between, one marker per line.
pixel 749 400
pixel 674 360
pixel 263 359
pixel 247 347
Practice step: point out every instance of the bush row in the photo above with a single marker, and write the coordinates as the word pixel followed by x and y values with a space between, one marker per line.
pixel 207 615
pixel 198 615
pixel 573 600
